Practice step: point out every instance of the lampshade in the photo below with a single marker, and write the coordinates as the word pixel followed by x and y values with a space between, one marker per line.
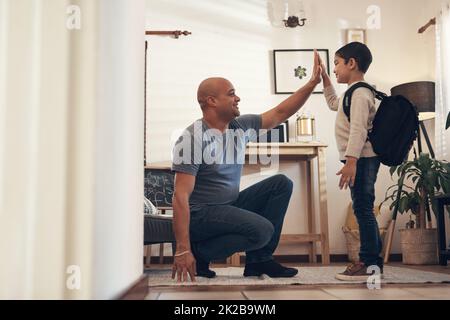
pixel 421 94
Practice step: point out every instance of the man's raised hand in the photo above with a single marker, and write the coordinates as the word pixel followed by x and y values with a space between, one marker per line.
pixel 317 69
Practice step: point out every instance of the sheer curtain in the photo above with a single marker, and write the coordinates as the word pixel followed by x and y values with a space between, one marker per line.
pixel 71 136
pixel 442 81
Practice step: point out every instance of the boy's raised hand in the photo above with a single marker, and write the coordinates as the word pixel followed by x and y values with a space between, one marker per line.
pixel 317 70
pixel 325 77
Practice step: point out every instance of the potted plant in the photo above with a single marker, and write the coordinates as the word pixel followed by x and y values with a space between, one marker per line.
pixel 420 180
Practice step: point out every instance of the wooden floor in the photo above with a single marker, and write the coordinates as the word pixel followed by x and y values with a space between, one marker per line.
pixel 295 292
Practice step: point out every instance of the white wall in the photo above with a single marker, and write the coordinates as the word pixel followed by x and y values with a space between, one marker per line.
pixel 234 39
pixel 71 136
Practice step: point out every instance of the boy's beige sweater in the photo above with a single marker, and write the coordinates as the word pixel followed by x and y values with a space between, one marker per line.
pixel 351 137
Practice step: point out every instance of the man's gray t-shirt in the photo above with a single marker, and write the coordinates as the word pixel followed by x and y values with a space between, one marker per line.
pixel 215 158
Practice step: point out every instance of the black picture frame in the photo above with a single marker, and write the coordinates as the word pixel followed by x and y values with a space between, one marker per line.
pixel 292 68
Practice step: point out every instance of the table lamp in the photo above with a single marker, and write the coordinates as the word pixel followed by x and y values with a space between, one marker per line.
pixel 421 95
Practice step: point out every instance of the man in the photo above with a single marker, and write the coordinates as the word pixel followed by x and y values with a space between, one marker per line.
pixel 212 219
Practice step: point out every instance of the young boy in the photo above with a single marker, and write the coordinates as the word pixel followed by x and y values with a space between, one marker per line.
pixel 361 164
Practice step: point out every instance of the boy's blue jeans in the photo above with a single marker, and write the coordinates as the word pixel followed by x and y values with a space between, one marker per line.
pixel 363 197
pixel 252 223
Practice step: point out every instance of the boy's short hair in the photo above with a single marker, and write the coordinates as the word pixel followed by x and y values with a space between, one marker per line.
pixel 358 51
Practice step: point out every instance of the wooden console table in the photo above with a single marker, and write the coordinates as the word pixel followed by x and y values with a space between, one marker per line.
pixel 300 151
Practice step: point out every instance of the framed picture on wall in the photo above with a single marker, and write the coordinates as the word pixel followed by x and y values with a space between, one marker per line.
pixel 293 68
pixel 356 35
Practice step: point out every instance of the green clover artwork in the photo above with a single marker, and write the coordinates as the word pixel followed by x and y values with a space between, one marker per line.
pixel 300 72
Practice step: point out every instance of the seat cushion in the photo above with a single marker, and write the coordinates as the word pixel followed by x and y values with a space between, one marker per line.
pixel 157 229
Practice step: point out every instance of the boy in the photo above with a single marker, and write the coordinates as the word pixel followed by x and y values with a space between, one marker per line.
pixel 361 163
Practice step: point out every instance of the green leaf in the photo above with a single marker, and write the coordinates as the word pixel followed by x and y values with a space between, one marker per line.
pixel 405 186
pixel 403 204
pixel 448 121
pixel 387 191
pixel 394 202
pixel 407 166
pixel 392 170
pixel 417 188
pixel 446 166
pixel 392 205
pixel 399 169
pixel 424 162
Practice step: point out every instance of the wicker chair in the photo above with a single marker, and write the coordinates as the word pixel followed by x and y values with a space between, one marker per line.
pixel 157 230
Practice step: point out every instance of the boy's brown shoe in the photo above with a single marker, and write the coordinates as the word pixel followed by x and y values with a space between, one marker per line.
pixel 355 272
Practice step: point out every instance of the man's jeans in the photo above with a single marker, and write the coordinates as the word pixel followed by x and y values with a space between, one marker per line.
pixel 252 223
pixel 363 196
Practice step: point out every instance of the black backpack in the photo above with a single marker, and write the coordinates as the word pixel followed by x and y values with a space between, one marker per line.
pixel 395 125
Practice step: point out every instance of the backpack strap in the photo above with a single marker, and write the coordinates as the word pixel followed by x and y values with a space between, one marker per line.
pixel 348 96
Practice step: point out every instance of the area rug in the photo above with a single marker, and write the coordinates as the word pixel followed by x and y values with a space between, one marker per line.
pixel 232 276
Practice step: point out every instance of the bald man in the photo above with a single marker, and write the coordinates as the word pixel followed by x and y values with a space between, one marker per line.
pixel 212 218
